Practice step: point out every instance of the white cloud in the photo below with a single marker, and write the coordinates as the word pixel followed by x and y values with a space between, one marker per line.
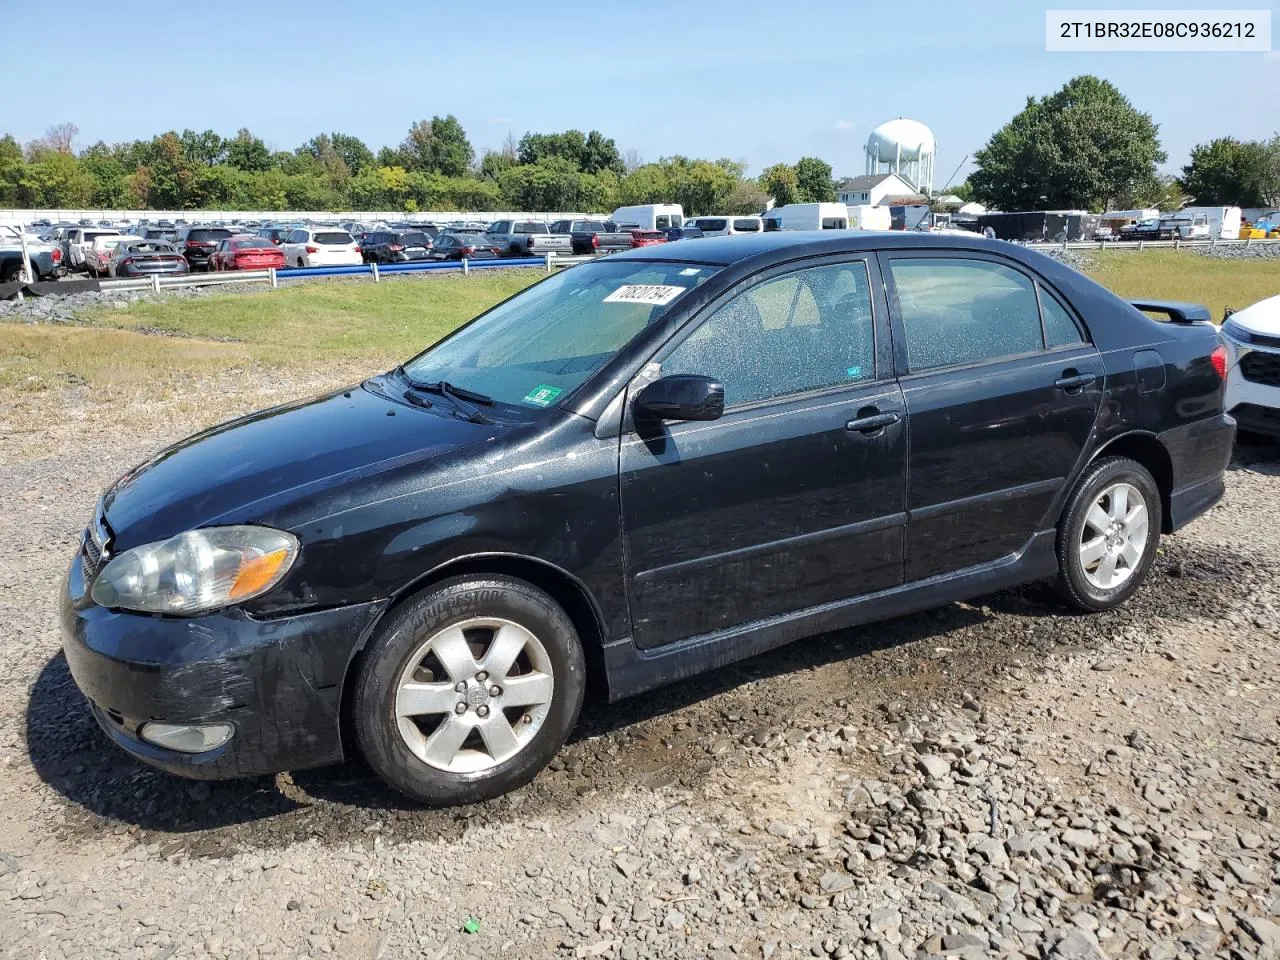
pixel 845 124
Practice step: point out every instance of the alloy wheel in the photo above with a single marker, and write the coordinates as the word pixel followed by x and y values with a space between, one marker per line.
pixel 473 695
pixel 1114 537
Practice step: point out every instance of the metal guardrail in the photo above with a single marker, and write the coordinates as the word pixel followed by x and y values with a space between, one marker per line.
pixel 274 277
pixel 1148 244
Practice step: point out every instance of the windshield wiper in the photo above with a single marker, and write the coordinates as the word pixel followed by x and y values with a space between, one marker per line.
pixel 458 395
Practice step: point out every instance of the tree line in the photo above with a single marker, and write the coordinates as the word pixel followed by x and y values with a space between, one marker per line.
pixel 1084 146
pixel 435 167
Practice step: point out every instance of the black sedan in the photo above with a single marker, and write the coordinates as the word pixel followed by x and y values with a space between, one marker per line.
pixel 642 467
pixel 464 246
pixel 142 258
pixel 395 246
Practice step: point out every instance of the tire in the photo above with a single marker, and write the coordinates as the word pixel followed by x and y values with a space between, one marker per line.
pixel 1093 581
pixel 421 754
pixel 300 263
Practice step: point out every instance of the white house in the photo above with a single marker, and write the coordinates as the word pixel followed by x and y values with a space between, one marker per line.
pixel 874 189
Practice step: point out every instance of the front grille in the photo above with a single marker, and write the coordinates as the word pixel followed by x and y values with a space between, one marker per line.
pixel 90 557
pixel 1259 367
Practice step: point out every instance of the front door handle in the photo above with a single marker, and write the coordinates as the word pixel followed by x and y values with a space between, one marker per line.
pixel 870 421
pixel 1073 382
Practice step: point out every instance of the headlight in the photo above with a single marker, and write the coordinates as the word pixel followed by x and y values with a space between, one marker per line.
pixel 197 571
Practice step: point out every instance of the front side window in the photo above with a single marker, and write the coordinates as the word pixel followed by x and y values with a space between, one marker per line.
pixel 960 311
pixel 535 349
pixel 662 223
pixel 801 331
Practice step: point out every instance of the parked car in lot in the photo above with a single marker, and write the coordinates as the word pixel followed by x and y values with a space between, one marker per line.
pixel 276 235
pixel 650 216
pixel 98 255
pixel 168 234
pixel 395 246
pixel 726 226
pixel 1252 338
pixel 79 240
pixel 593 236
pixel 139 257
pixel 245 252
pixel 790 433
pixel 198 243
pixel 44 260
pixel 459 246
pixel 321 247
pixel 647 238
pixel 1147 229
pixel 527 238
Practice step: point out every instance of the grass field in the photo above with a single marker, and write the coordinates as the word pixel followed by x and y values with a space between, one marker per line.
pixel 335 332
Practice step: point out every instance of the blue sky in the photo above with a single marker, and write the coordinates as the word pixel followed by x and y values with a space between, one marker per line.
pixel 753 81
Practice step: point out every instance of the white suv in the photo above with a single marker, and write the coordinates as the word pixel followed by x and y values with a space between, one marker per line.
pixel 321 247
pixel 1252 337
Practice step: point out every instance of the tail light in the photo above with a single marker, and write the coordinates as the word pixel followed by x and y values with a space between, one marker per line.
pixel 360 249
pixel 126 261
pixel 311 249
pixel 1219 360
pixel 595 241
pixel 467 251
pixel 395 247
pixel 495 250
pixel 55 255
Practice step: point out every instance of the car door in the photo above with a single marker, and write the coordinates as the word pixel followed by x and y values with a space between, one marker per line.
pixel 795 497
pixel 1002 388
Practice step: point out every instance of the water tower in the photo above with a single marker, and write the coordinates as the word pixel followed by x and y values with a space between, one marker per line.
pixel 905 147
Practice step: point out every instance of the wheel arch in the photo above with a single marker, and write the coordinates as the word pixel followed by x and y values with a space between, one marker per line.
pixel 1146 449
pixel 563 587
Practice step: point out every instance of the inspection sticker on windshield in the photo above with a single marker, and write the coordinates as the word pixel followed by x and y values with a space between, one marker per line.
pixel 543 395
pixel 654 293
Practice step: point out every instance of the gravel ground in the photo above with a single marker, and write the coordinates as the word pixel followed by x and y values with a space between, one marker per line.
pixel 1253 251
pixel 995 778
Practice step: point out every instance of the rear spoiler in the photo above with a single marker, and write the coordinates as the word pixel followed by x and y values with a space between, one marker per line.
pixel 1176 312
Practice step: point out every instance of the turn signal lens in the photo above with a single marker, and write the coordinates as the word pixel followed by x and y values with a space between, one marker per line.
pixel 258 573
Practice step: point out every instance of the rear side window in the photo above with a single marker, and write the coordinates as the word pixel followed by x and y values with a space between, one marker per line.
pixel 772 225
pixel 959 311
pixel 333 237
pixel 712 223
pixel 746 226
pixel 1060 328
pixel 801 331
pixel 415 239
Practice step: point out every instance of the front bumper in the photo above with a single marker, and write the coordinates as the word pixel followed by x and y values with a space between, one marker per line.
pixel 1254 404
pixel 278 682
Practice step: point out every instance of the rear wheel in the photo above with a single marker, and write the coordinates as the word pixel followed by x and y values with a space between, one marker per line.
pixel 468 690
pixel 1108 534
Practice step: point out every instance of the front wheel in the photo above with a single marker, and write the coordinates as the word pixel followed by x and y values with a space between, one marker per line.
pixel 1108 535
pixel 468 690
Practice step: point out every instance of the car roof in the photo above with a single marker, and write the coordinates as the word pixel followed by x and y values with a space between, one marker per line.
pixel 788 244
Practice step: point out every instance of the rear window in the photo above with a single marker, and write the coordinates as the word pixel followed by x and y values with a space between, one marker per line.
pixel 594 225
pixel 335 237
pixel 530 226
pixel 835 223
pixel 747 226
pixel 254 243
pixel 415 239
pixel 153 246
pixel 216 233
pixel 648 234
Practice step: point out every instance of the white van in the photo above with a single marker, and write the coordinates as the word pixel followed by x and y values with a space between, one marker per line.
pixel 808 216
pixel 726 226
pixel 863 216
pixel 1224 222
pixel 650 216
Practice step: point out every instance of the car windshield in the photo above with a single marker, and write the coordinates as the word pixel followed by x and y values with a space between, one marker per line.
pixel 538 347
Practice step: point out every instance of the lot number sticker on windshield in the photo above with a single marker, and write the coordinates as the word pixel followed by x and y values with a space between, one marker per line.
pixel 654 293
pixel 543 395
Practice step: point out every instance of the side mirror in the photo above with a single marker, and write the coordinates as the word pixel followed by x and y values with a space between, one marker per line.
pixel 681 396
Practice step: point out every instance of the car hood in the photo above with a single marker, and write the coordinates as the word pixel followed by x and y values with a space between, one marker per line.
pixel 1262 317
pixel 239 471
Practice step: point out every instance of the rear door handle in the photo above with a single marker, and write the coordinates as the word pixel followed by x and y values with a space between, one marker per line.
pixel 872 422
pixel 1073 382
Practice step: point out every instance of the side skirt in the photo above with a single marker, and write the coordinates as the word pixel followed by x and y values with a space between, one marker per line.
pixel 631 671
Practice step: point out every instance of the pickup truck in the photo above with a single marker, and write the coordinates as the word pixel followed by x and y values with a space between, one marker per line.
pixel 594 236
pixel 527 238
pixel 45 258
pixel 1142 230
